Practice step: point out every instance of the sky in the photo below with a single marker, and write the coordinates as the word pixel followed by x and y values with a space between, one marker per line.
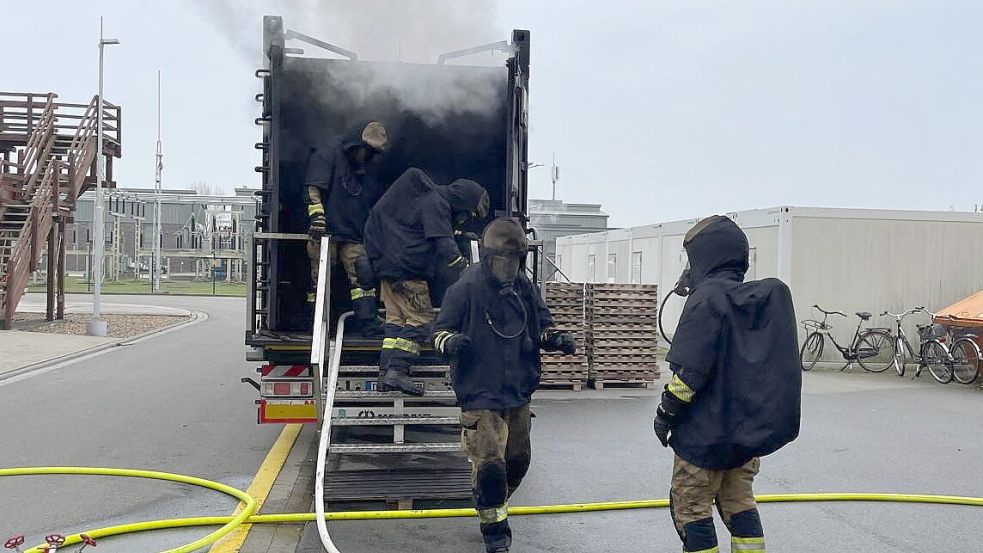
pixel 658 110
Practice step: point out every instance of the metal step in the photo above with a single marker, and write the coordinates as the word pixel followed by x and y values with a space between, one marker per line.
pixel 392 421
pixel 349 395
pixel 418 369
pixel 433 447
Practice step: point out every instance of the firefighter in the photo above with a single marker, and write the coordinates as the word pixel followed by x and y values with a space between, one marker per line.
pixel 735 391
pixel 408 231
pixel 340 189
pixel 491 326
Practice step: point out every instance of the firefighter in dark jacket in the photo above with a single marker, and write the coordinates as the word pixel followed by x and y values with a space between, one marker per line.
pixel 408 231
pixel 735 392
pixel 492 324
pixel 340 189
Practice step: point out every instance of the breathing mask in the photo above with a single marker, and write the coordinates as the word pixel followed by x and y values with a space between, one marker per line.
pixel 504 248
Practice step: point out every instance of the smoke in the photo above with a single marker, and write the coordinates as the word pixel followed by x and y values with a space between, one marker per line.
pixel 407 31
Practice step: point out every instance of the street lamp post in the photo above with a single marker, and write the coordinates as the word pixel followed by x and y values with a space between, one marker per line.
pixel 98 327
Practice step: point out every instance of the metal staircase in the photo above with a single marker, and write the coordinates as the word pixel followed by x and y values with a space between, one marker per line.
pixel 48 160
pixel 383 446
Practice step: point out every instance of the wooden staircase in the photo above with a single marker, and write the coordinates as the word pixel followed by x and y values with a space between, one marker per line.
pixel 54 145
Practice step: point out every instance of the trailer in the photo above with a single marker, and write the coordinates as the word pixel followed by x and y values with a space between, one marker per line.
pixel 378 445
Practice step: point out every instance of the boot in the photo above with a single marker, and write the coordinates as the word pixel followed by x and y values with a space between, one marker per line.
pixel 497 536
pixel 390 332
pixel 397 377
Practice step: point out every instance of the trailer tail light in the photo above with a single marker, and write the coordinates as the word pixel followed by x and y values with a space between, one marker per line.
pixel 274 389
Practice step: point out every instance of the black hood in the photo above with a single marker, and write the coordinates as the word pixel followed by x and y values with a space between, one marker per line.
pixel 720 247
pixel 354 136
pixel 462 194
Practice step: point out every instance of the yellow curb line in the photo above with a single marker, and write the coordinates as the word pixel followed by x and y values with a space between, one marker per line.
pixel 260 488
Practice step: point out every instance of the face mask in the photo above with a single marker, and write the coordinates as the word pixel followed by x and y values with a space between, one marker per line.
pixel 505 268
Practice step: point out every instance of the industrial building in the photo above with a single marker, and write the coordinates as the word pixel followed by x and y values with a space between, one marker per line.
pixel 553 219
pixel 198 232
pixel 842 259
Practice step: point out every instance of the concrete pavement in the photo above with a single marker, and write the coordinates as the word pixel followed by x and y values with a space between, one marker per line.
pixel 860 433
pixel 23 350
pixel 171 403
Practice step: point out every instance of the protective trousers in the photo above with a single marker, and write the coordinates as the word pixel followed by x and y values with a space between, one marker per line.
pixel 409 313
pixel 346 253
pixel 695 490
pixel 498 446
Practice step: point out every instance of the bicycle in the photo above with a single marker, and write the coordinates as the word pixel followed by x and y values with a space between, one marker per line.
pixel 960 362
pixel 873 348
pixel 965 354
pixel 932 352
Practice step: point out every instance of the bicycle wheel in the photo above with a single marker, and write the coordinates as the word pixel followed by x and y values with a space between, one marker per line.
pixel 936 358
pixel 900 356
pixel 965 361
pixel 875 350
pixel 812 351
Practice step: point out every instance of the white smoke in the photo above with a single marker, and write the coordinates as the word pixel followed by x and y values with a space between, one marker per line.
pixel 408 31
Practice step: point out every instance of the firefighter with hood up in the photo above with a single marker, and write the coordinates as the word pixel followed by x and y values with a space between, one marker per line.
pixel 340 189
pixel 409 231
pixel 735 392
pixel 492 325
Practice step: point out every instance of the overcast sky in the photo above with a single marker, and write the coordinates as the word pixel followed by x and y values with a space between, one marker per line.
pixel 658 110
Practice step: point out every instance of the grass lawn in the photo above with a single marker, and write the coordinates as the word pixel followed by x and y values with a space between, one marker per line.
pixel 75 285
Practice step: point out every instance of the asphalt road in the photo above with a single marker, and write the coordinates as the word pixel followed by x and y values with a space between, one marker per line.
pixel 171 403
pixel 860 433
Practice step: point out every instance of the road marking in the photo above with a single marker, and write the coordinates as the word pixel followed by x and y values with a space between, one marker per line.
pixel 261 486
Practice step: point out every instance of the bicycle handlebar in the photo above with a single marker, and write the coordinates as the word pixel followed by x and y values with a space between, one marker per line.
pixel 901 316
pixel 821 310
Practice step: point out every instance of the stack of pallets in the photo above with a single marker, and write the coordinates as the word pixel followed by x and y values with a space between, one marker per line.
pixel 568 302
pixel 624 334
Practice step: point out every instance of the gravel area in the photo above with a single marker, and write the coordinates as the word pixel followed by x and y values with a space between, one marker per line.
pixel 120 326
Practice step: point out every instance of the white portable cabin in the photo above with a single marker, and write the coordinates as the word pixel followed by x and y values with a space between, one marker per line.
pixel 842 259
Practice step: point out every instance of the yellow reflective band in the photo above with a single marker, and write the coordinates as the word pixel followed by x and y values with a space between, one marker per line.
pixel 457 261
pixel 679 389
pixel 491 516
pixel 359 293
pixel 388 343
pixel 747 544
pixel 407 346
pixel 440 339
pixel 311 297
pixel 315 209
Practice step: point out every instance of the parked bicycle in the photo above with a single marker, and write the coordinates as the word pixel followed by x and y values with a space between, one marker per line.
pixel 872 348
pixel 932 352
pixel 960 361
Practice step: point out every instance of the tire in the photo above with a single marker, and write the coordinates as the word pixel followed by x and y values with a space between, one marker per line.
pixel 876 350
pixel 966 361
pixel 900 357
pixel 936 358
pixel 812 351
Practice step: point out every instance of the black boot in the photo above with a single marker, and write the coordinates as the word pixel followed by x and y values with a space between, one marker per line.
pixel 497 536
pixel 397 378
pixel 390 332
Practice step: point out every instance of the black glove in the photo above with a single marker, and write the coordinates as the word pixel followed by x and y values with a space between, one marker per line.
pixel 457 345
pixel 662 426
pixel 556 340
pixel 317 226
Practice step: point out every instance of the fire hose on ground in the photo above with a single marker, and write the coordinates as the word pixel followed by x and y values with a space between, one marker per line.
pixel 245 515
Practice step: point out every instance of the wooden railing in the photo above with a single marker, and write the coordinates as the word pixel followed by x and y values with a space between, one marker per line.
pixel 46 181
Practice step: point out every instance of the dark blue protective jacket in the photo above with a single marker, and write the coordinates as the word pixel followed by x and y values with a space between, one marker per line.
pixel 412 226
pixel 736 349
pixel 348 192
pixel 496 373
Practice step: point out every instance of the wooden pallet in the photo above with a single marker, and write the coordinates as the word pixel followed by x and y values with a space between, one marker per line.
pixel 600 384
pixel 557 384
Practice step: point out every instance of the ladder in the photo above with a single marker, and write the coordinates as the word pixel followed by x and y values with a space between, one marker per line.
pixel 380 445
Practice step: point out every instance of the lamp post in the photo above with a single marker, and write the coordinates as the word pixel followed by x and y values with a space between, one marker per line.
pixel 97 326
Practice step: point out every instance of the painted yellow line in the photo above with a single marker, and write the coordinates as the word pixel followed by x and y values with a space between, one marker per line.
pixel 261 485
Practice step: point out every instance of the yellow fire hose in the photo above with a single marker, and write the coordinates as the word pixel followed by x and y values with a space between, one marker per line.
pixel 229 523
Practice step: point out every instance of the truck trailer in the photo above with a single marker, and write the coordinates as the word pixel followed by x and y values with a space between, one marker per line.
pixel 447 118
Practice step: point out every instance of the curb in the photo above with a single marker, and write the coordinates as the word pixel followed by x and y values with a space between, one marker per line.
pixel 196 317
